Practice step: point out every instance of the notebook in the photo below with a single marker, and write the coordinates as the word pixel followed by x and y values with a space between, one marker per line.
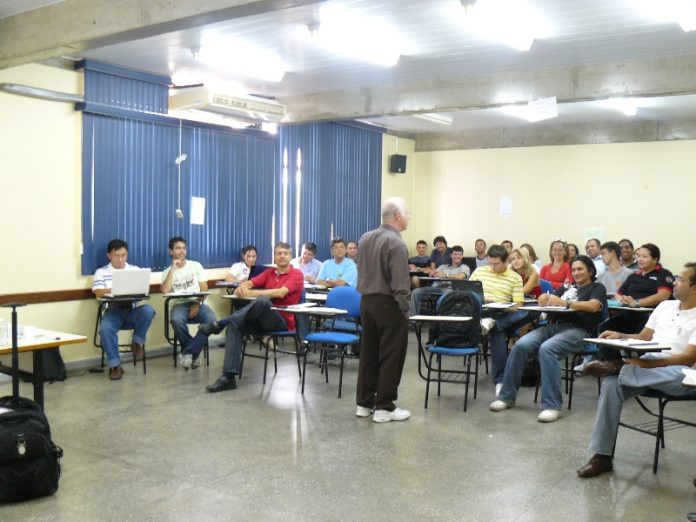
pixel 130 283
pixel 472 286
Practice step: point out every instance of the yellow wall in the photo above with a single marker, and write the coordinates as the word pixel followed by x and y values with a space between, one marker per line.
pixel 403 185
pixel 643 191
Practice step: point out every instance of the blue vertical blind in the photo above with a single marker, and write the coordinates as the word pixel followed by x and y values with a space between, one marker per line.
pixel 338 189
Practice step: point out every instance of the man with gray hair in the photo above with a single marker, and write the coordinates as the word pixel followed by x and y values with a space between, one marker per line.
pixel 384 284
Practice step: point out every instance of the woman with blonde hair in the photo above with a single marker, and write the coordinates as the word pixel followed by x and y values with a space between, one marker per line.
pixel 522 264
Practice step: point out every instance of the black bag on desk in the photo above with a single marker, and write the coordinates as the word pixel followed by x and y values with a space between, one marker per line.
pixel 458 303
pixel 29 464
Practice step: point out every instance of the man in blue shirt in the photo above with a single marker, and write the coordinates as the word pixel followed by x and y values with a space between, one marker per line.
pixel 339 270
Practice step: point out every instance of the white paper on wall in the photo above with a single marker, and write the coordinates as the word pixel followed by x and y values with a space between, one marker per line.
pixel 505 207
pixel 197 211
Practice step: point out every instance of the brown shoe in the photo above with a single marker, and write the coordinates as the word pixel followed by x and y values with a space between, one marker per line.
pixel 115 373
pixel 597 465
pixel 603 368
pixel 137 349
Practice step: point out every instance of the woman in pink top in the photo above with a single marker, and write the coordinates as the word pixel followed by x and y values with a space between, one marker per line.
pixel 557 272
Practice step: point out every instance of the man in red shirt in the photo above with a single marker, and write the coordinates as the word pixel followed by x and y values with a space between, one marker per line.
pixel 280 286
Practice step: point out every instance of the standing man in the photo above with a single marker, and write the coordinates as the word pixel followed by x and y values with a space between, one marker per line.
pixel 339 270
pixel 481 254
pixel 628 258
pixel 119 316
pixel 593 251
pixel 307 263
pixel 280 286
pixel 384 285
pixel 184 275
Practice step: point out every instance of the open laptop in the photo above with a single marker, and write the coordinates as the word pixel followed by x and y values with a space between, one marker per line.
pixel 472 286
pixel 130 283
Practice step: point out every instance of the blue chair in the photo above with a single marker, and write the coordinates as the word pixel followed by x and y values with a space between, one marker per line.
pixel 546 286
pixel 455 376
pixel 332 342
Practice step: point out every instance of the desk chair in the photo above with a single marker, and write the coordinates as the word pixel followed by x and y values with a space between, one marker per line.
pixel 171 337
pixel 333 342
pixel 122 347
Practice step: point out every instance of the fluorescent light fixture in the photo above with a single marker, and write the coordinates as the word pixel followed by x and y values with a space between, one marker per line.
pixel 269 127
pixel 240 58
pixel 534 111
pixel 682 12
pixel 512 22
pixel 344 32
pixel 433 117
pixel 627 106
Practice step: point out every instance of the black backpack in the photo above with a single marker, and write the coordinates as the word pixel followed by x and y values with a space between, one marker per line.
pixel 458 335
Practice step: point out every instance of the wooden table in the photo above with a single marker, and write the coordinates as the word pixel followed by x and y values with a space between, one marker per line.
pixel 42 340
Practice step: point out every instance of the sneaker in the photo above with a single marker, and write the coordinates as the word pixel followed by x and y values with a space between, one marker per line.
pixel 115 373
pixel 487 325
pixel 386 416
pixel 361 411
pixel 579 368
pixel 549 416
pixel 498 387
pixel 501 405
pixel 210 328
pixel 195 363
pixel 185 360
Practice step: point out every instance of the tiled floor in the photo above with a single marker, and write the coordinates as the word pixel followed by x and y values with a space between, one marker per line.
pixel 158 447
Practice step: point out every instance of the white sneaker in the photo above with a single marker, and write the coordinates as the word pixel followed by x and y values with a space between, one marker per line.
pixel 386 416
pixel 487 325
pixel 361 411
pixel 579 368
pixel 549 416
pixel 195 363
pixel 501 405
pixel 498 387
pixel 185 360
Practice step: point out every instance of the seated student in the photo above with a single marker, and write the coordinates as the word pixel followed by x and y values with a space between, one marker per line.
pixel 351 250
pixel 573 251
pixel 419 263
pixel 481 255
pixel 245 268
pixel 507 245
pixel 536 262
pixel 615 274
pixel 628 258
pixel 441 254
pixel 119 316
pixel 307 263
pixel 557 272
pixel 673 323
pixel 503 285
pixel 456 270
pixel 521 263
pixel 339 270
pixel 561 337
pixel 280 286
pixel 184 275
pixel 593 251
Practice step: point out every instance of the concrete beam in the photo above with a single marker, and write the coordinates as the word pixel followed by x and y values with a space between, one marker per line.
pixel 578 134
pixel 643 77
pixel 78 25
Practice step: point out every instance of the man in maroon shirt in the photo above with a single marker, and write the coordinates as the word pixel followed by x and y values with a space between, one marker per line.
pixel 280 286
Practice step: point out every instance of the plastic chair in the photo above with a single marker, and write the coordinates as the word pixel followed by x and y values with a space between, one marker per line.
pixel 546 286
pixel 171 337
pixel 455 376
pixel 331 341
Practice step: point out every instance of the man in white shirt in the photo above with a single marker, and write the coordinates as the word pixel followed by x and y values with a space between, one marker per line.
pixel 184 276
pixel 119 316
pixel 672 323
pixel 592 249
pixel 307 263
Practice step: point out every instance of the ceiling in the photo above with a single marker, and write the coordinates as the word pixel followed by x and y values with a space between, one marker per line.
pixel 584 53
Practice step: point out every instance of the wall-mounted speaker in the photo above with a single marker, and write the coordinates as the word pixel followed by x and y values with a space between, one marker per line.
pixel 397 164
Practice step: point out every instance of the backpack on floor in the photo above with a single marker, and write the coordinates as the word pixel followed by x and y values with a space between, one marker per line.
pixel 458 303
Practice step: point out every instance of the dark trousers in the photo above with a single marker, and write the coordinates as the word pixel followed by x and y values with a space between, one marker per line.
pixel 383 352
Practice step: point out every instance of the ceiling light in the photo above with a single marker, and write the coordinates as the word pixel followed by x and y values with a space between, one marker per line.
pixel 435 118
pixel 344 32
pixel 683 12
pixel 627 106
pixel 534 111
pixel 512 22
pixel 240 58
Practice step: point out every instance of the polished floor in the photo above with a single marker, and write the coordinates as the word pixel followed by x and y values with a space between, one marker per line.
pixel 158 447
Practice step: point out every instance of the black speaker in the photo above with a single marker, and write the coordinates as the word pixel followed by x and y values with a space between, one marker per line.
pixel 397 163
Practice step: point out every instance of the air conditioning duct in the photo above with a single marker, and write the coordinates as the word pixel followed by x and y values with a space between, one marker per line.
pixel 246 107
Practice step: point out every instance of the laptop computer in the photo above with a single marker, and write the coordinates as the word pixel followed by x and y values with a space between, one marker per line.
pixel 472 286
pixel 130 283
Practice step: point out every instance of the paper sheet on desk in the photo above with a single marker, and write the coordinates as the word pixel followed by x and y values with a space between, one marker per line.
pixel 689 377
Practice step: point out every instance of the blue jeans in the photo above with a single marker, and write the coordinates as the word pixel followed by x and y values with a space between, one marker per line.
pixel 616 389
pixel 419 293
pixel 505 325
pixel 552 343
pixel 179 317
pixel 114 319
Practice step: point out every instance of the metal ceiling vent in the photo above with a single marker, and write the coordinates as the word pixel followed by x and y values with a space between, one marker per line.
pixel 246 107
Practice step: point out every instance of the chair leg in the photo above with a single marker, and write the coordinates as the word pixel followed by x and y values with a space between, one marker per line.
pixel 275 357
pixel 466 382
pixel 427 381
pixel 174 351
pixel 264 345
pixel 144 360
pixel 297 356
pixel 206 354
pixel 439 374
pixel 304 370
pixel 340 375
pixel 476 373
pixel 241 363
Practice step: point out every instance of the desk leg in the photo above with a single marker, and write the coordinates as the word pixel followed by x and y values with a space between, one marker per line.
pixel 38 377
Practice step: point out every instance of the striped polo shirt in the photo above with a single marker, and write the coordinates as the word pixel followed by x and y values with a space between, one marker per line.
pixel 501 288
